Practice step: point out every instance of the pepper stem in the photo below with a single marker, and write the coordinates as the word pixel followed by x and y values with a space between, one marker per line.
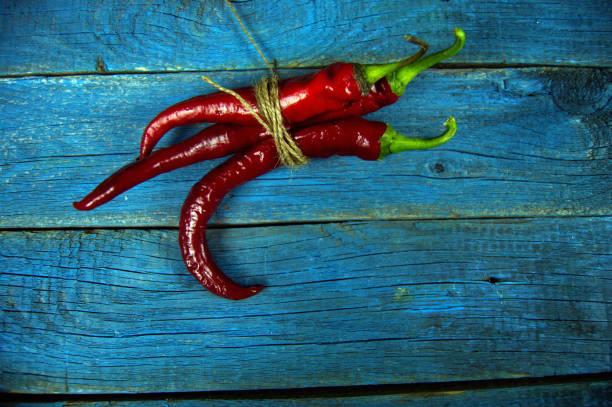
pixel 372 73
pixel 400 78
pixel 392 142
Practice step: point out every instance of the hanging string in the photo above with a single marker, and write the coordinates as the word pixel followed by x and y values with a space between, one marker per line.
pixel 231 6
pixel 268 113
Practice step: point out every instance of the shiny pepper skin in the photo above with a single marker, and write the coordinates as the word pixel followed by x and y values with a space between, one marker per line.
pixel 215 141
pixel 301 98
pixel 357 137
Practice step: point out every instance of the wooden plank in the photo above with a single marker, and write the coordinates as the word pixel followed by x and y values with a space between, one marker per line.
pixel 531 142
pixel 596 394
pixel 88 36
pixel 108 311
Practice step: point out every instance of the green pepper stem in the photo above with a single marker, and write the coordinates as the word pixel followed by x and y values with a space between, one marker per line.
pixel 372 73
pixel 400 78
pixel 392 142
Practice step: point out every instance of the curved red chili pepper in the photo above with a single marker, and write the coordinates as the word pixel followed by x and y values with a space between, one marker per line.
pixel 300 98
pixel 359 137
pixel 212 142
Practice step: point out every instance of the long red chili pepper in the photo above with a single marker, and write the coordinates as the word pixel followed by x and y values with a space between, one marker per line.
pixel 359 137
pixel 340 90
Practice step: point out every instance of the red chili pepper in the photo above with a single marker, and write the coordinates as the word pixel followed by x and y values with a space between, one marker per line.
pixel 340 90
pixel 359 137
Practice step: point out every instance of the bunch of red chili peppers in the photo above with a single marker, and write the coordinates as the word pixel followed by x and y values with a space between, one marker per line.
pixel 323 112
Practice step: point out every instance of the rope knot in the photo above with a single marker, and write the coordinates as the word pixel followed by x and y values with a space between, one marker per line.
pixel 266 94
pixel 270 116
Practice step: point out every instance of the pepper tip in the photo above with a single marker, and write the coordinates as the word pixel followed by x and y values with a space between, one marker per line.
pixel 460 34
pixel 247 292
pixel 450 122
pixel 84 205
pixel 78 206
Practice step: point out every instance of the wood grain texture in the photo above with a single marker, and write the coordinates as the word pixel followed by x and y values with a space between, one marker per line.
pixel 487 258
pixel 597 394
pixel 531 142
pixel 106 311
pixel 112 35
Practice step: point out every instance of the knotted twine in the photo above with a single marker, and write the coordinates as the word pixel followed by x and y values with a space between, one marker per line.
pixel 268 104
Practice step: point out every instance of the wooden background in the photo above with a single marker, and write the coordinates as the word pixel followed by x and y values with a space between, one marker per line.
pixel 478 273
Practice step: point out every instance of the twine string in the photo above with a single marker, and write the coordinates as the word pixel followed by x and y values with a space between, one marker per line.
pixel 231 6
pixel 266 94
pixel 268 113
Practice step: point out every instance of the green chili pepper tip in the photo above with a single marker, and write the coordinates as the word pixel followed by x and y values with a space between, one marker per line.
pixel 372 73
pixel 392 142
pixel 400 78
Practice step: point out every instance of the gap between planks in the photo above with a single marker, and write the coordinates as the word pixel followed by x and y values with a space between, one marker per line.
pixel 441 65
pixel 509 219
pixel 433 388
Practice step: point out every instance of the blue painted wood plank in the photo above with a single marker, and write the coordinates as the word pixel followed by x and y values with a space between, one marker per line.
pixel 346 304
pixel 596 394
pixel 531 142
pixel 112 35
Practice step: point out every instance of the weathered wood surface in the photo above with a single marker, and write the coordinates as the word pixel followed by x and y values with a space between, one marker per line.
pixel 85 36
pixel 531 142
pixel 596 394
pixel 347 303
pixel 487 258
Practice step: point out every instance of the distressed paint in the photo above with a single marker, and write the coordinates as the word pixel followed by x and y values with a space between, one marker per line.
pixel 383 302
pixel 108 311
pixel 115 36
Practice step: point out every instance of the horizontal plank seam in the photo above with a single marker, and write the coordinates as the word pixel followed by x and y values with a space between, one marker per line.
pixel 454 66
pixel 431 389
pixel 302 222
